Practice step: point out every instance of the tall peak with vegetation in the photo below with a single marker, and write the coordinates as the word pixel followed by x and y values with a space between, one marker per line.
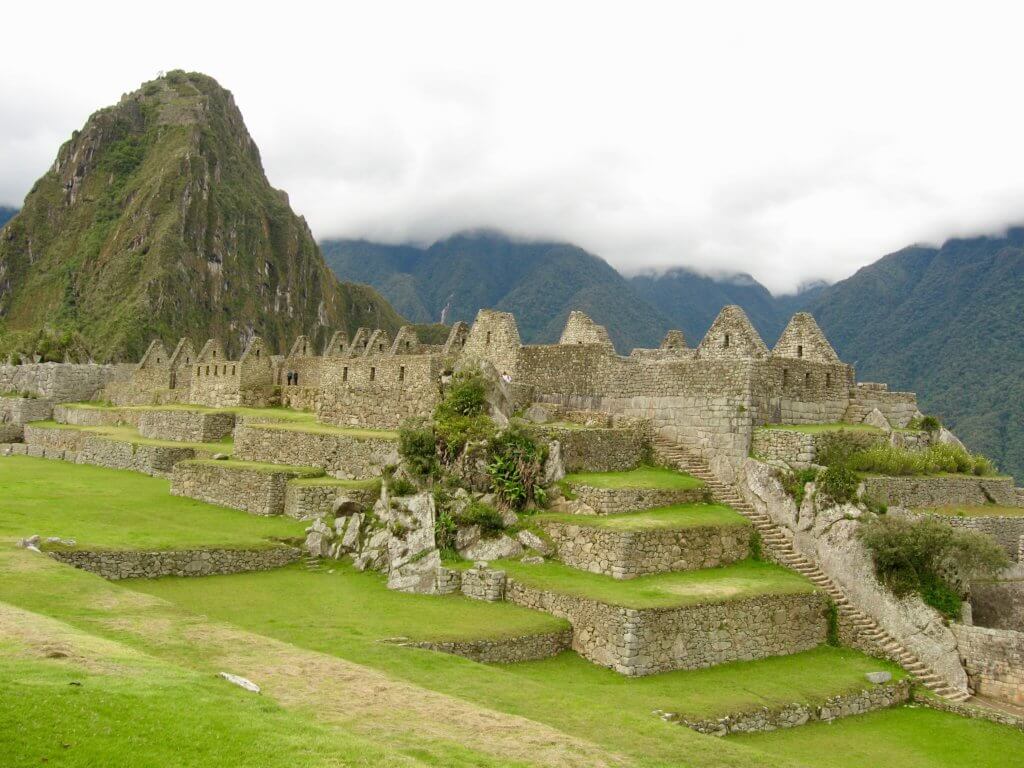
pixel 157 219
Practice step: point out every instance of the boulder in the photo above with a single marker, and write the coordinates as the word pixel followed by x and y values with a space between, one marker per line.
pixel 466 536
pixel 946 437
pixel 531 540
pixel 493 549
pixel 554 467
pixel 350 539
pixel 538 414
pixel 877 419
pixel 878 677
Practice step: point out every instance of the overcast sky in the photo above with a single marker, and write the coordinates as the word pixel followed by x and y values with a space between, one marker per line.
pixel 793 141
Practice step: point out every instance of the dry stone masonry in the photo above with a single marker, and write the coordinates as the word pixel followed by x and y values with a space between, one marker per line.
pixel 115 565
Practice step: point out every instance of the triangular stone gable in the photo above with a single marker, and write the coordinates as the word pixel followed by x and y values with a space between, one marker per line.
pixel 212 352
pixel 580 329
pixel 359 342
pixel 338 345
pixel 732 336
pixel 184 354
pixel 456 338
pixel 406 341
pixel 256 351
pixel 673 340
pixel 379 343
pixel 804 339
pixel 156 356
pixel 302 347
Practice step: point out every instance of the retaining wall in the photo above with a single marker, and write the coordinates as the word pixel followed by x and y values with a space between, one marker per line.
pixel 115 565
pixel 21 410
pixel 505 650
pixel 340 455
pixel 1007 531
pixel 592 449
pixel 255 491
pixel 186 426
pixel 610 501
pixel 940 490
pixel 307 501
pixel 626 554
pixel 994 660
pixel 998 604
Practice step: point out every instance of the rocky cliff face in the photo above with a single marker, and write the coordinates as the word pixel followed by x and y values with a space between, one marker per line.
pixel 157 219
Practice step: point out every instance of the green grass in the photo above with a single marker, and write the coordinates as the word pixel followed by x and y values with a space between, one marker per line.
pixel 373 482
pixel 676 517
pixel 738 581
pixel 258 466
pixel 117 509
pixel 907 737
pixel 131 435
pixel 277 413
pixel 137 711
pixel 328 429
pixel 641 477
pixel 985 510
pixel 933 460
pixel 817 429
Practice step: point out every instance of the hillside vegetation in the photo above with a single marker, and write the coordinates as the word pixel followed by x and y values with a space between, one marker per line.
pixel 156 219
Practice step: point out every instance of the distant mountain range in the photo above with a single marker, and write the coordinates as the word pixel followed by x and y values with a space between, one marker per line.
pixel 944 322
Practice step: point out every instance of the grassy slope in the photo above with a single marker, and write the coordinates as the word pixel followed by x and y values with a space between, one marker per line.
pixel 641 477
pixel 738 581
pixel 131 435
pixel 676 517
pixel 116 509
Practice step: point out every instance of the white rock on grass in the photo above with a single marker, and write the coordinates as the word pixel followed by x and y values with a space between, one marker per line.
pixel 242 682
pixel 493 549
pixel 878 677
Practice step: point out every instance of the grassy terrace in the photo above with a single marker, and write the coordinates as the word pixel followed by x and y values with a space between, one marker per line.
pixel 676 517
pixel 641 477
pixel 117 509
pixel 131 435
pixel 373 482
pixel 316 427
pixel 278 414
pixel 985 510
pixel 738 581
pixel 258 466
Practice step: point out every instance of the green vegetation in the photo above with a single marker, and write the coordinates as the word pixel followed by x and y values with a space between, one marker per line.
pixel 925 424
pixel 516 467
pixel 641 477
pixel 934 460
pixel 417 444
pixel 908 737
pixel 986 510
pixel 837 483
pixel 738 581
pixel 928 556
pixel 131 435
pixel 678 516
pixel 461 416
pixel 258 466
pixel 795 483
pixel 117 509
pixel 487 517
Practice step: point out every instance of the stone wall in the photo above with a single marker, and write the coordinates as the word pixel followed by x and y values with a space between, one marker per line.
pixel 505 650
pixel 643 642
pixel 624 554
pixel 22 410
pixel 597 449
pixel 1006 530
pixel 66 382
pixel 95 417
pixel 792 715
pixel 308 500
pixel 115 565
pixel 340 455
pixel 483 583
pixel 611 501
pixel 998 604
pixel 185 426
pixel 940 490
pixel 257 492
pixel 799 449
pixel 87 448
pixel 898 407
pixel 994 660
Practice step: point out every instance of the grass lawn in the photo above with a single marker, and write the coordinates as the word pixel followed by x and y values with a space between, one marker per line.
pixel 118 509
pixel 327 429
pixel 257 466
pixel 738 581
pixel 641 477
pixel 676 517
pixel 907 737
pixel 984 510
pixel 131 435
pixel 817 429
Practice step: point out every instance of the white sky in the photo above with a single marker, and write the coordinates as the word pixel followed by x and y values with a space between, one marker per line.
pixel 790 140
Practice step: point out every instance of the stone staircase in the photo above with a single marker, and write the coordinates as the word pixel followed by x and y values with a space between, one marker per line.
pixel 778 543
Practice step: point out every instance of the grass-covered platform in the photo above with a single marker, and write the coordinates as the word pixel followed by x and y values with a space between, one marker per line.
pixel 656 478
pixel 318 428
pixel 128 434
pixel 123 510
pixel 237 465
pixel 675 517
pixel 739 581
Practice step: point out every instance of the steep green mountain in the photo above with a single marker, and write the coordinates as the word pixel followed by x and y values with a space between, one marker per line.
pixel 944 322
pixel 156 219
pixel 6 214
pixel 540 282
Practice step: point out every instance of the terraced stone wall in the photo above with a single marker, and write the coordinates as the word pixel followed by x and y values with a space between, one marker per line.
pixel 628 554
pixel 95 417
pixel 643 642
pixel 994 660
pixel 21 410
pixel 801 449
pixel 189 562
pixel 600 449
pixel 185 426
pixel 254 491
pixel 305 501
pixel 941 490
pixel 86 448
pixel 505 650
pixel 612 501
pixel 340 455
pixel 64 382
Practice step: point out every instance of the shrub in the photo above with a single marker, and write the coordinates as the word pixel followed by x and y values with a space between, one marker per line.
pixel 516 466
pixel 890 460
pixel 925 424
pixel 399 486
pixel 484 515
pixel 795 483
pixel 928 556
pixel 417 444
pixel 466 396
pixel 837 447
pixel 838 483
pixel 454 432
pixel 832 622
pixel 445 529
pixel 756 546
pixel 460 416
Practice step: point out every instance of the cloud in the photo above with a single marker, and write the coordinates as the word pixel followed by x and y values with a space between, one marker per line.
pixel 792 141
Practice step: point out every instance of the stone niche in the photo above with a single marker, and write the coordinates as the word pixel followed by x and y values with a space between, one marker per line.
pixel 639 642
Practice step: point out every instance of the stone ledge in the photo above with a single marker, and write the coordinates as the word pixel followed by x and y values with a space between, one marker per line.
pixel 505 650
pixel 792 715
pixel 612 501
pixel 129 564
